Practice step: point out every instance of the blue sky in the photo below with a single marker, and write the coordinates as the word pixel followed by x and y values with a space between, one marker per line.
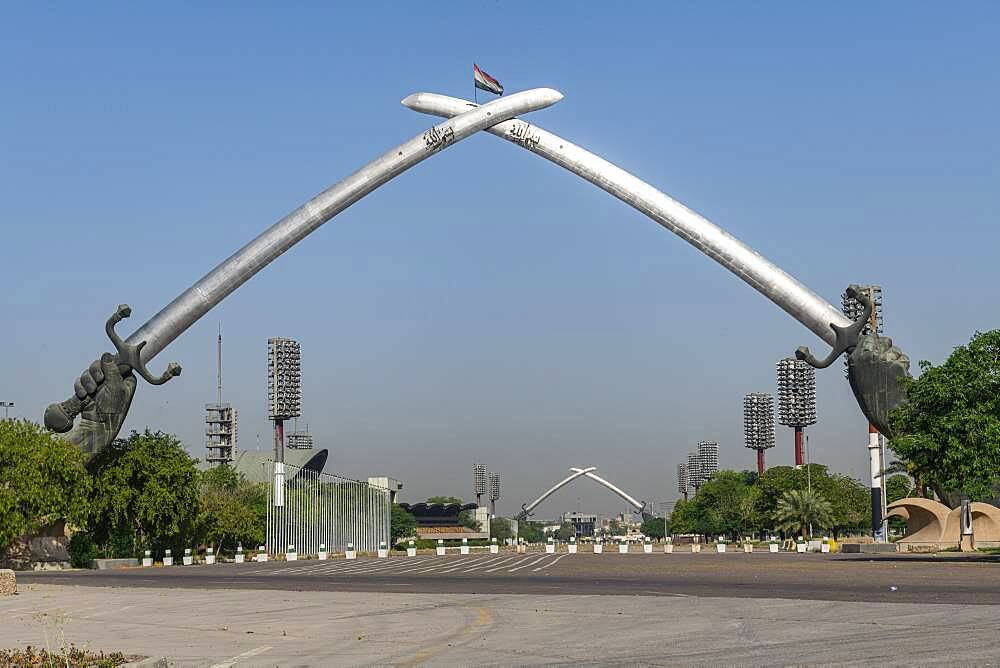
pixel 488 306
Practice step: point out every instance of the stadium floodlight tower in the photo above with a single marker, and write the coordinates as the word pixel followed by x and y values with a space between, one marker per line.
pixel 796 399
pixel 708 460
pixel 694 472
pixel 758 425
pixel 221 423
pixel 854 310
pixel 494 493
pixel 683 481
pixel 284 388
pixel 479 482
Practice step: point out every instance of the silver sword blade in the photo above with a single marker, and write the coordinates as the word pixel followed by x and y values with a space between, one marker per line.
pixel 238 268
pixel 760 273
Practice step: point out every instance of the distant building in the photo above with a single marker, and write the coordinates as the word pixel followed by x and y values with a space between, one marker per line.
pixel 584 523
pixel 440 520
pixel 385 482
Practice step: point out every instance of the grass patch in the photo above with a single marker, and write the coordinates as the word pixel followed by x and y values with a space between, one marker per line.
pixel 71 656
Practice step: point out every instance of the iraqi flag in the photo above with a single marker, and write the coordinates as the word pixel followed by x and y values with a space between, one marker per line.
pixel 485 82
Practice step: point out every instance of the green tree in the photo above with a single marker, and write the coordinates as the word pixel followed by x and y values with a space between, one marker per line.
pixel 232 511
pixel 531 532
pixel 849 500
pixel 145 495
pixel 949 428
pixel 566 531
pixel 401 524
pixel 897 487
pixel 500 529
pixel 686 518
pixel 799 509
pixel 719 503
pixel 42 480
pixel 654 527
pixel 444 499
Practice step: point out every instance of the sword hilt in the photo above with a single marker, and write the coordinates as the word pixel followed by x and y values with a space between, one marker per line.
pixel 846 337
pixel 59 417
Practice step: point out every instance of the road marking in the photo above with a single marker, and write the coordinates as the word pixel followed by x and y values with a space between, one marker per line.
pixel 483 617
pixel 229 663
pixel 551 563
pixel 478 559
pixel 517 568
pixel 495 562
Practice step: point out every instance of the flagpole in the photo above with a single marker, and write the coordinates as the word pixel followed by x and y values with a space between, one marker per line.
pixel 475 93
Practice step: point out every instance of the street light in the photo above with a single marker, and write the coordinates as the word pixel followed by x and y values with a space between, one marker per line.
pixel 758 425
pixel 796 399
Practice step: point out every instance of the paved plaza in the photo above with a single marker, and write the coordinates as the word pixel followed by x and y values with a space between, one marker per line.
pixel 515 609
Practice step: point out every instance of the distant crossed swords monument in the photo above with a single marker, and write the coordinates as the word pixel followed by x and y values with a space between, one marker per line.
pixel 104 391
pixel 577 473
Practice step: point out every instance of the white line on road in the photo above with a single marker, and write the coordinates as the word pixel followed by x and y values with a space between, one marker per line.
pixel 229 663
pixel 551 563
pixel 496 562
pixel 517 568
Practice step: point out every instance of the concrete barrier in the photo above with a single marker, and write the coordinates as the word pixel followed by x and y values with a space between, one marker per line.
pixel 623 547
pixel 440 547
pixel 825 545
pixel 322 554
pixel 107 564
pixel 494 548
pixel 668 548
pixel 748 548
pixel 168 559
pixel 647 548
pixel 239 554
pixel 465 546
pixel 800 546
pixel 350 552
pixel 147 559
pixel 773 546
pixel 598 547
pixel 550 547
pixel 261 554
pixel 187 559
pixel 695 547
pixel 210 556
pixel 8 582
pixel 720 547
pixel 571 548
pixel 291 554
pixel 411 549
pixel 383 550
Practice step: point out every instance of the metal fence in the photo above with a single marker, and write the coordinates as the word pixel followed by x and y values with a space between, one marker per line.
pixel 306 509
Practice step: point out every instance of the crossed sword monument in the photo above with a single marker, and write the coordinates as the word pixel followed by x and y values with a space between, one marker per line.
pixel 103 392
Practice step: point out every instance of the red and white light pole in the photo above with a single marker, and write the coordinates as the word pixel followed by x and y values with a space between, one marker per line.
pixel 796 400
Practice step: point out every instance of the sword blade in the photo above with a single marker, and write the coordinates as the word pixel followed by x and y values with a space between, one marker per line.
pixel 760 273
pixel 238 268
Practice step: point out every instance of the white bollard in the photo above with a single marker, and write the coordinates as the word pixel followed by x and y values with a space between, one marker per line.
pixel 440 547
pixel 598 547
pixel 411 549
pixel 465 546
pixel 383 550
pixel 800 546
pixel 187 559
pixel 550 547
pixel 239 553
pixel 261 554
pixel 825 547
pixel 669 547
pixel 494 548
pixel 291 554
pixel 773 546
pixel 571 548
pixel 168 560
pixel 720 546
pixel 322 554
pixel 623 547
pixel 210 556
pixel 350 553
pixel 695 547
pixel 147 559
pixel 748 547
pixel 647 547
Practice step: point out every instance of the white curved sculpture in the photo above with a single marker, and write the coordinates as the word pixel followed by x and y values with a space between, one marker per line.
pixel 760 273
pixel 577 473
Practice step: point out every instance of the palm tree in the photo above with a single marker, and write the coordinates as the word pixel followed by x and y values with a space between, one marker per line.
pixel 799 509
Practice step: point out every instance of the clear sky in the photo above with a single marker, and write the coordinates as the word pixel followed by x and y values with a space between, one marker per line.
pixel 488 306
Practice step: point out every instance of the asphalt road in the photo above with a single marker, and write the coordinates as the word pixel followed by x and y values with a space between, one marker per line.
pixel 891 578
